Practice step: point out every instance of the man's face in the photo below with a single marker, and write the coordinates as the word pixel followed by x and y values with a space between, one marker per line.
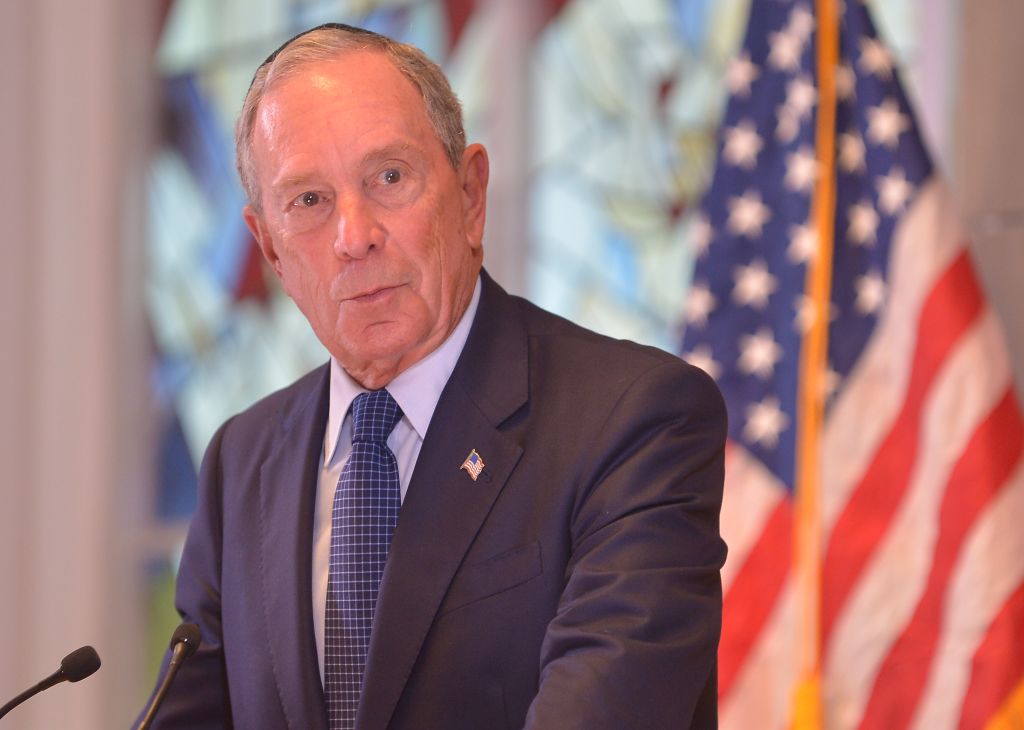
pixel 371 231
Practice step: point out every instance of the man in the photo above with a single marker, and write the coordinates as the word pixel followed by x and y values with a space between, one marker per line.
pixel 555 562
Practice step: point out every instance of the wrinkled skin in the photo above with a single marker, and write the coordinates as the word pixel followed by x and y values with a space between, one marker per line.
pixel 371 231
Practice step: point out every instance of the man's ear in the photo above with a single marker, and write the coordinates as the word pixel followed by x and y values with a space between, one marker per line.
pixel 258 228
pixel 473 174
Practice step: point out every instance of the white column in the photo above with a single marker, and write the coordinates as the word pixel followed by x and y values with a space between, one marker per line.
pixel 989 156
pixel 512 27
pixel 936 64
pixel 73 392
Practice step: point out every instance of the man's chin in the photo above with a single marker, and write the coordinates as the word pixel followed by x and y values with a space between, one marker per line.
pixel 381 352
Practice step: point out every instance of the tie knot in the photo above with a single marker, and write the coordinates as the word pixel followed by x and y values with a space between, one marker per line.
pixel 374 414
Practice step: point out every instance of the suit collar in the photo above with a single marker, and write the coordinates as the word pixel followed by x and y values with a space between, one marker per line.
pixel 286 530
pixel 494 366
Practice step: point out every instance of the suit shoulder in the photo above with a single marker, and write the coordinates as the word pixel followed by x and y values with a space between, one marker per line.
pixel 282 404
pixel 574 368
pixel 569 345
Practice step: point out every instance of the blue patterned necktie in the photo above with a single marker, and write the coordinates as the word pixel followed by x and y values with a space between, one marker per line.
pixel 365 512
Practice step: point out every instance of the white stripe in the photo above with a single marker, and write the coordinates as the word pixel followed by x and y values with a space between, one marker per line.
pixel 925 242
pixel 762 695
pixel 751 495
pixel 989 570
pixel 967 387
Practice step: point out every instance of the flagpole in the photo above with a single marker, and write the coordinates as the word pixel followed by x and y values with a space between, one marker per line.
pixel 807 710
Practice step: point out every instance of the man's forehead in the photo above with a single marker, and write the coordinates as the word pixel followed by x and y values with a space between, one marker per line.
pixel 345 69
pixel 360 100
pixel 360 83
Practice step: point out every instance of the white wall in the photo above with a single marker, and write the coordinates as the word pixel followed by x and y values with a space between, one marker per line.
pixel 72 375
pixel 989 155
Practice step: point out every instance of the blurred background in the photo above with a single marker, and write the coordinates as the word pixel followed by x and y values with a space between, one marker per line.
pixel 137 316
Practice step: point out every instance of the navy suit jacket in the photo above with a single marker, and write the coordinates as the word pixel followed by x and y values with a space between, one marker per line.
pixel 575 584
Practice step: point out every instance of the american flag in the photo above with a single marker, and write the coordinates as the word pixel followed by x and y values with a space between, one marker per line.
pixel 905 609
pixel 473 465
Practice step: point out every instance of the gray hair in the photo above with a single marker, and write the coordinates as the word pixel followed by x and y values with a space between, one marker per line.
pixel 327 42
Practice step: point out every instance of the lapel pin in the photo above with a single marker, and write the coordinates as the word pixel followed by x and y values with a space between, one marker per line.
pixel 473 465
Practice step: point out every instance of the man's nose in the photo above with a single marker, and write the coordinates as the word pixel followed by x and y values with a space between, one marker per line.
pixel 359 230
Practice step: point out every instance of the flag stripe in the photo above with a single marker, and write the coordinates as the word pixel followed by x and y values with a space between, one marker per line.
pixel 950 308
pixel 988 571
pixel 761 694
pixel 981 471
pixel 895 577
pixel 746 507
pixel 869 402
pixel 754 594
pixel 998 662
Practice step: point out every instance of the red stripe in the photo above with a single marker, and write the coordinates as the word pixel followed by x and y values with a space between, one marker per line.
pixel 458 12
pixel 553 8
pixel 753 594
pixel 981 471
pixel 998 664
pixel 949 310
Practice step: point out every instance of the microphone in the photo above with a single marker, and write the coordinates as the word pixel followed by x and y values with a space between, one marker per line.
pixel 184 642
pixel 76 666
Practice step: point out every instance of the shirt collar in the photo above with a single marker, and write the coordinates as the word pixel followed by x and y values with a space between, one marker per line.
pixel 416 390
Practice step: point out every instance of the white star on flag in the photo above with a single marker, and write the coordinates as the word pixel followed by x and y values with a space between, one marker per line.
pixel 851 152
pixel 801 95
pixel 788 124
pixel 700 234
pixel 699 304
pixel 747 214
pixel 893 191
pixel 870 293
pixel 886 123
pixel 800 99
pixel 765 421
pixel 741 73
pixel 803 244
pixel 801 170
pixel 801 23
pixel 754 284
pixel 742 143
pixel 759 353
pixel 806 314
pixel 786 49
pixel 875 58
pixel 846 81
pixel 701 357
pixel 863 224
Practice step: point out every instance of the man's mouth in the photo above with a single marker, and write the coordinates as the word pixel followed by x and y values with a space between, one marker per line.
pixel 371 296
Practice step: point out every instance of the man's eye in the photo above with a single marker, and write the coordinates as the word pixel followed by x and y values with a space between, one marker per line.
pixel 308 200
pixel 390 177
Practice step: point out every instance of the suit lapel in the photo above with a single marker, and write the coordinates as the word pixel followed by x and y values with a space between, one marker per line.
pixel 444 508
pixel 287 493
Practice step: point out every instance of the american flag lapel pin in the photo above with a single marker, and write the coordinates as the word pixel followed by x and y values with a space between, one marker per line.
pixel 473 465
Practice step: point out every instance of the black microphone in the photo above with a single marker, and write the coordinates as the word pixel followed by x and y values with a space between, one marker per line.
pixel 184 642
pixel 76 666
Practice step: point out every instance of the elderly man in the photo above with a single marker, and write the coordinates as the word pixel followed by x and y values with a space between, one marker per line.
pixel 477 515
